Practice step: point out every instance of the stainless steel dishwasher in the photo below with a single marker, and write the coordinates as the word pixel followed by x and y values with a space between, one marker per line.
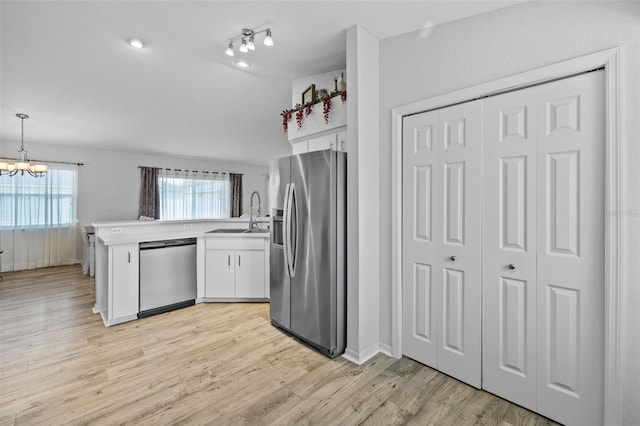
pixel 167 275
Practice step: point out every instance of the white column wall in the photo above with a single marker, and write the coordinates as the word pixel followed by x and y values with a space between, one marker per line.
pixel 363 201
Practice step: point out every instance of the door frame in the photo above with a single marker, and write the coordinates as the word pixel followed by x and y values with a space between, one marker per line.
pixel 610 60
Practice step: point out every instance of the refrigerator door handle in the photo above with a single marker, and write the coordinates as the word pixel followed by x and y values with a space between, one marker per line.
pixel 293 247
pixel 286 219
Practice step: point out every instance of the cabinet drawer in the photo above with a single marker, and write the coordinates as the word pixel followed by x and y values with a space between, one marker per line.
pixel 234 243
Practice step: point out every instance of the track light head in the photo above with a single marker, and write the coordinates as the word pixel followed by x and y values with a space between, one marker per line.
pixel 268 41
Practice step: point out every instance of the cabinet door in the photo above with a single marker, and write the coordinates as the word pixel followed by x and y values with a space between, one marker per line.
pixel 341 142
pixel 219 273
pixel 124 281
pixel 323 142
pixel 250 273
pixel 299 147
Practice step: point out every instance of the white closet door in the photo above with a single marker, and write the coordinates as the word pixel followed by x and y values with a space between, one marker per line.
pixel 458 186
pixel 419 236
pixel 441 240
pixel 570 234
pixel 509 244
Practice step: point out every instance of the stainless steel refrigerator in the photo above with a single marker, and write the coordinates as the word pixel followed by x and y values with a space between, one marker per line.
pixel 308 248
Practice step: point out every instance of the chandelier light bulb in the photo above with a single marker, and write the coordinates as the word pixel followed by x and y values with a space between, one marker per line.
pixel 229 50
pixel 268 41
pixel 243 46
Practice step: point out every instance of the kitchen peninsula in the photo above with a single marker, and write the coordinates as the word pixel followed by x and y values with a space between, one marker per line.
pixel 118 262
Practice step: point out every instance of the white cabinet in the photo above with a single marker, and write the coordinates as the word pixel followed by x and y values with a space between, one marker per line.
pixel 236 268
pixel 336 141
pixel 117 282
pixel 219 273
pixel 125 264
pixel 250 279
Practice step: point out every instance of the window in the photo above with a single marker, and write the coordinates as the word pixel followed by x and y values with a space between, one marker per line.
pixel 49 201
pixel 188 195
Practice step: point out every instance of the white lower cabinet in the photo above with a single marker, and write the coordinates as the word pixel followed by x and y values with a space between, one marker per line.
pixel 236 268
pixel 219 273
pixel 250 279
pixel 123 283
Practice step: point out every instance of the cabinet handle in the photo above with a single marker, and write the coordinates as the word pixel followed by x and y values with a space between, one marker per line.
pixel 238 260
pixel 229 260
pixel 128 257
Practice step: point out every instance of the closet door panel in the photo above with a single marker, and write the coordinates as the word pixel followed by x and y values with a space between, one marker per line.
pixel 420 238
pixel 509 247
pixel 570 222
pixel 458 183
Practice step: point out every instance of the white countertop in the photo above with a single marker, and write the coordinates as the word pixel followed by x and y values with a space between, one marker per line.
pixel 117 223
pixel 123 232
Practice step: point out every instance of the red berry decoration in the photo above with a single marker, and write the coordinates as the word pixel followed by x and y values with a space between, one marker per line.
pixel 299 115
pixel 286 116
pixel 326 107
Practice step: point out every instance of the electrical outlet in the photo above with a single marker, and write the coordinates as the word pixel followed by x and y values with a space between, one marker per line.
pixel 116 230
pixel 188 226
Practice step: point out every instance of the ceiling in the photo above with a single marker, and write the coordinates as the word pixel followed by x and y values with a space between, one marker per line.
pixel 68 65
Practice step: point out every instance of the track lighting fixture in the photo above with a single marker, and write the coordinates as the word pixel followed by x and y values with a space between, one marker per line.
pixel 247 40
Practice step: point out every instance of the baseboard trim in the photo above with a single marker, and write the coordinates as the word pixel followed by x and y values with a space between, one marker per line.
pixel 360 358
pixel 120 320
pixel 387 350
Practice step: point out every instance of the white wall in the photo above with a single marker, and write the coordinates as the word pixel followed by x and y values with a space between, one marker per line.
pixel 497 44
pixel 109 181
pixel 322 81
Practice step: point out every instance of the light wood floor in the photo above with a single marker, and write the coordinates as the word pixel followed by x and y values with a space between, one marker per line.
pixel 208 364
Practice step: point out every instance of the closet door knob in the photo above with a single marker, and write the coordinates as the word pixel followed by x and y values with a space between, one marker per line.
pixel 512 266
pixel 452 258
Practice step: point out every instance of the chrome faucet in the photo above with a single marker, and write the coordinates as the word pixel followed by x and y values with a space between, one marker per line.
pixel 252 223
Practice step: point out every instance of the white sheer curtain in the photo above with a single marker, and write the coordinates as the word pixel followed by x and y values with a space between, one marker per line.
pixel 186 195
pixel 38 218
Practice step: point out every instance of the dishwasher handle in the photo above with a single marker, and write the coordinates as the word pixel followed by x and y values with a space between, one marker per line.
pixel 151 245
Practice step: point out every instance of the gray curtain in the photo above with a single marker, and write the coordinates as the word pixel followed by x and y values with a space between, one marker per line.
pixel 149 196
pixel 236 194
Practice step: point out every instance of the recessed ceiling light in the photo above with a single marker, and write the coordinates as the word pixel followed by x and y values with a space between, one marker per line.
pixel 242 64
pixel 136 42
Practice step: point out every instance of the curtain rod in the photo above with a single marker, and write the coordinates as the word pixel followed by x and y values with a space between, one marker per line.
pixel 186 170
pixel 43 161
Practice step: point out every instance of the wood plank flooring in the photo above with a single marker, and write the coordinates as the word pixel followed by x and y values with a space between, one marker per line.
pixel 208 364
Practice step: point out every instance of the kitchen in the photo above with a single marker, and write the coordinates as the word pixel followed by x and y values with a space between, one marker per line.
pixel 108 183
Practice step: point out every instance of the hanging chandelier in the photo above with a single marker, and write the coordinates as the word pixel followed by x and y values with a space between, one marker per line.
pixel 247 40
pixel 22 164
